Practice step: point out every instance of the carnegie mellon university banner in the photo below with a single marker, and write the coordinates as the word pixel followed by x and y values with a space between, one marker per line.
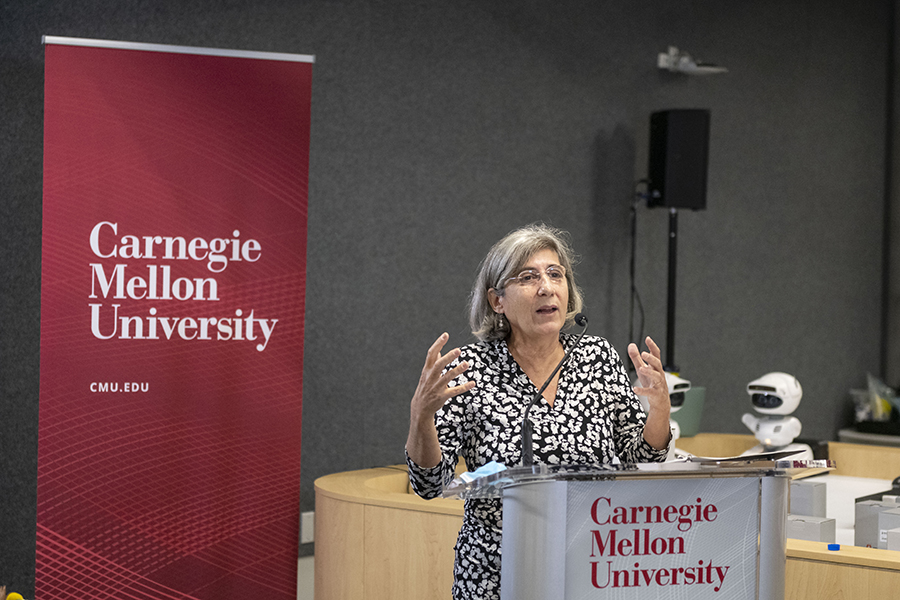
pixel 172 302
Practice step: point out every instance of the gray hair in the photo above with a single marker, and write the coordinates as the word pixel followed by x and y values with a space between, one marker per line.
pixel 504 260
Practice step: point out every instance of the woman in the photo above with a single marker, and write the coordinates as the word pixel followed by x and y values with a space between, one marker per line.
pixel 470 402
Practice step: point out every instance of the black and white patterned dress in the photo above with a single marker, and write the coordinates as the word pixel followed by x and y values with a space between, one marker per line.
pixel 595 418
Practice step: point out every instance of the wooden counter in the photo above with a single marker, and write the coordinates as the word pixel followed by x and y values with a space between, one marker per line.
pixel 376 540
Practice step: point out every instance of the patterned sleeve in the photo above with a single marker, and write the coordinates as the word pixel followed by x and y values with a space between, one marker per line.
pixel 629 427
pixel 449 421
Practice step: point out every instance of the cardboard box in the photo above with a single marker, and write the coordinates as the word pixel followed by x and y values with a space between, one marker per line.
pixel 887 519
pixel 866 532
pixel 814 529
pixel 808 498
pixel 893 539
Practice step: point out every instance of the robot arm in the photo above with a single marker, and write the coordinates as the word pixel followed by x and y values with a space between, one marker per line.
pixel 751 421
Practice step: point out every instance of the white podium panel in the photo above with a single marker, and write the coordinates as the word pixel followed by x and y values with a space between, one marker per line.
pixel 712 528
pixel 659 538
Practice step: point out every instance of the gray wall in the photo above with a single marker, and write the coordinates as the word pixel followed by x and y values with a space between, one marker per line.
pixel 438 127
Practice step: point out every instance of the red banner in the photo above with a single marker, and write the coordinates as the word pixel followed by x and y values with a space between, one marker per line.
pixel 172 303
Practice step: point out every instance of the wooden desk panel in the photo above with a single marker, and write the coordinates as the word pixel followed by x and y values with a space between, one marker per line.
pixel 340 549
pixel 409 554
pixel 864 460
pixel 813 572
pixel 377 541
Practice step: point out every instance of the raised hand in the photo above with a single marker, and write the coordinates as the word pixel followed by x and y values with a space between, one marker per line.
pixel 433 391
pixel 653 386
pixel 431 394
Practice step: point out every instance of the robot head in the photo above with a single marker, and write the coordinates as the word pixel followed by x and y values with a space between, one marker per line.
pixel 677 388
pixel 775 393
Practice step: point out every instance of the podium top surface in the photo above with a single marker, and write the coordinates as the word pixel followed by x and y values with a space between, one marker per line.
pixel 761 465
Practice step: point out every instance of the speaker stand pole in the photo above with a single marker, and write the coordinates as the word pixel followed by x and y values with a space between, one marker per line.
pixel 669 365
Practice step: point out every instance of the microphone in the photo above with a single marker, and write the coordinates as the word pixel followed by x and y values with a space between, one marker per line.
pixel 527 446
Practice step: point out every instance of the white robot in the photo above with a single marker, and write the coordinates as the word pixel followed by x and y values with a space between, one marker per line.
pixel 775 396
pixel 677 388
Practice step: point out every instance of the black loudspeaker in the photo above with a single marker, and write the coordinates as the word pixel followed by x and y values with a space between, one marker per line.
pixel 679 151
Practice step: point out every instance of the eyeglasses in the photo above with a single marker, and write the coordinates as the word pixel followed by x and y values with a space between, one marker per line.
pixel 556 274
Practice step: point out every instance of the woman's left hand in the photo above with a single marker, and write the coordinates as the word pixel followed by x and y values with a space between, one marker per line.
pixel 651 374
pixel 653 386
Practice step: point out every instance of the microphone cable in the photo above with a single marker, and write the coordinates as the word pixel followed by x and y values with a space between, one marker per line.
pixel 527 444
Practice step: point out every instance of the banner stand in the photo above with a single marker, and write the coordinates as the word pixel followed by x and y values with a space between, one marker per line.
pixel 172 305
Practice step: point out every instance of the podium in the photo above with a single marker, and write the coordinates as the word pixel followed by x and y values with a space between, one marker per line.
pixel 703 528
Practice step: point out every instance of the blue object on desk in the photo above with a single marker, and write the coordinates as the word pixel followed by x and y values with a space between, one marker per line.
pixel 488 469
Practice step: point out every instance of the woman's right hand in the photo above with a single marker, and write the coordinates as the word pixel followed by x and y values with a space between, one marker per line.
pixel 433 390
